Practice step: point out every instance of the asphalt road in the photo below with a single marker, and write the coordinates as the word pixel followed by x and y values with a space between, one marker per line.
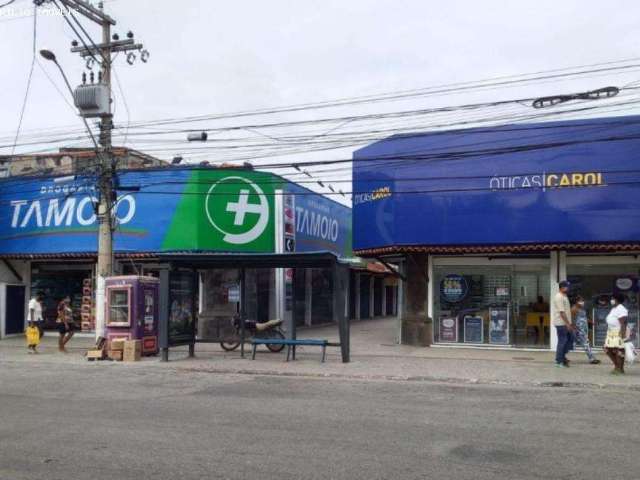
pixel 117 422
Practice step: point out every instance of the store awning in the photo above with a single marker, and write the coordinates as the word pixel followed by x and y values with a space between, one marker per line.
pixel 538 248
pixel 250 260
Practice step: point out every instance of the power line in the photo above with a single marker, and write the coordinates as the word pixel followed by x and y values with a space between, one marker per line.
pixel 445 88
pixel 357 192
pixel 84 44
pixel 26 93
pixel 124 101
pixel 141 125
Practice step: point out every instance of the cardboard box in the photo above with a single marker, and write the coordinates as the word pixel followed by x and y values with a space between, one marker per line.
pixel 132 350
pixel 95 354
pixel 117 344
pixel 115 355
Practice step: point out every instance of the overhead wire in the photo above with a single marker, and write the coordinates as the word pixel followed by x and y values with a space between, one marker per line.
pixel 30 76
pixel 124 101
pixel 141 126
pixel 67 14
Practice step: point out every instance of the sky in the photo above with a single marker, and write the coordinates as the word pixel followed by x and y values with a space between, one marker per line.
pixel 213 58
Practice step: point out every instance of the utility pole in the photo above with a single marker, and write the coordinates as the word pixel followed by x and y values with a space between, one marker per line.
pixel 105 162
pixel 105 218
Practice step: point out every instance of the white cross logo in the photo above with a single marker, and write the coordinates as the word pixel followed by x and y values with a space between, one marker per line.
pixel 242 207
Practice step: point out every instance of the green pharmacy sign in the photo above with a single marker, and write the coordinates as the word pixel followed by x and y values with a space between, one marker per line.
pixel 225 210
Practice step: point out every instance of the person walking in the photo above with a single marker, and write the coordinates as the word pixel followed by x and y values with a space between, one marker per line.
pixel 35 313
pixel 616 333
pixel 33 337
pixel 563 324
pixel 579 312
pixel 66 326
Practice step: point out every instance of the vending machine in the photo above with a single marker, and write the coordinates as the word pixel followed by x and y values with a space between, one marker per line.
pixel 132 310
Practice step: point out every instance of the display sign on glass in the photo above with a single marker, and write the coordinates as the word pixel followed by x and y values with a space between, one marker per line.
pixel 499 326
pixel 448 329
pixel 453 288
pixel 473 329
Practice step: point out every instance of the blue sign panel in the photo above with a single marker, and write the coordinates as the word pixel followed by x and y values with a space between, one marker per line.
pixel 45 215
pixel 321 224
pixel 556 182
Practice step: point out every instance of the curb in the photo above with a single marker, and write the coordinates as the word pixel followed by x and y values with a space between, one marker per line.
pixel 409 378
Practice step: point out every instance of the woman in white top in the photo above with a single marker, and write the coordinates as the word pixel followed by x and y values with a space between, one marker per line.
pixel 616 333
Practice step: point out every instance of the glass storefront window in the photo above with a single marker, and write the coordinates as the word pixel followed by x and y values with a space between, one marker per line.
pixel 493 305
pixel 58 280
pixel 119 307
pixel 182 300
pixel 596 284
pixel 322 296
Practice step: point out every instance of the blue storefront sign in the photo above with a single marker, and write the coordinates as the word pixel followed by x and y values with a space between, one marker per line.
pixel 45 215
pixel 321 224
pixel 547 183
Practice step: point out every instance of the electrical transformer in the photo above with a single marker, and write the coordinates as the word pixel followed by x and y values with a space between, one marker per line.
pixel 92 100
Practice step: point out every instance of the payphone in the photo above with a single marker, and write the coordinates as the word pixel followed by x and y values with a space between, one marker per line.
pixel 132 310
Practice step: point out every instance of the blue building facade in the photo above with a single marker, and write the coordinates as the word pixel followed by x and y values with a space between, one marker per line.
pixel 48 239
pixel 497 216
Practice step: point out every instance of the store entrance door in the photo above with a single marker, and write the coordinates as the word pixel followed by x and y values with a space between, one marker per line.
pixel 530 309
pixel 14 311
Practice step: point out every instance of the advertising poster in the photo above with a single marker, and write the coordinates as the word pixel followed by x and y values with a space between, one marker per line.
pixel 499 326
pixel 600 313
pixel 233 293
pixel 453 288
pixel 448 329
pixel 627 285
pixel 473 329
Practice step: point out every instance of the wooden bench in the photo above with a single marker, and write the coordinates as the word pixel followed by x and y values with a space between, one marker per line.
pixel 290 344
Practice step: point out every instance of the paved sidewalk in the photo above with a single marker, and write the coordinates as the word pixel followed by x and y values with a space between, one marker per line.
pixel 374 357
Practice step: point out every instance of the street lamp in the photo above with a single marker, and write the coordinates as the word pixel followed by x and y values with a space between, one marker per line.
pixel 105 228
pixel 50 56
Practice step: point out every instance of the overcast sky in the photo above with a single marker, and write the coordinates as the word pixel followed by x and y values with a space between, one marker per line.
pixel 210 57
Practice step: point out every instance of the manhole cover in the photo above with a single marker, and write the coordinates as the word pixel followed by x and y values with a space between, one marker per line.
pixel 523 358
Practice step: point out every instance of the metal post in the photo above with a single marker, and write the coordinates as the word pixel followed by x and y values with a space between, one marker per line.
pixel 341 287
pixel 163 325
pixel 195 283
pixel 243 309
pixel 291 330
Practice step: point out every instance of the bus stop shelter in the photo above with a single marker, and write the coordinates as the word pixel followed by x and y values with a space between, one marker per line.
pixel 196 262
